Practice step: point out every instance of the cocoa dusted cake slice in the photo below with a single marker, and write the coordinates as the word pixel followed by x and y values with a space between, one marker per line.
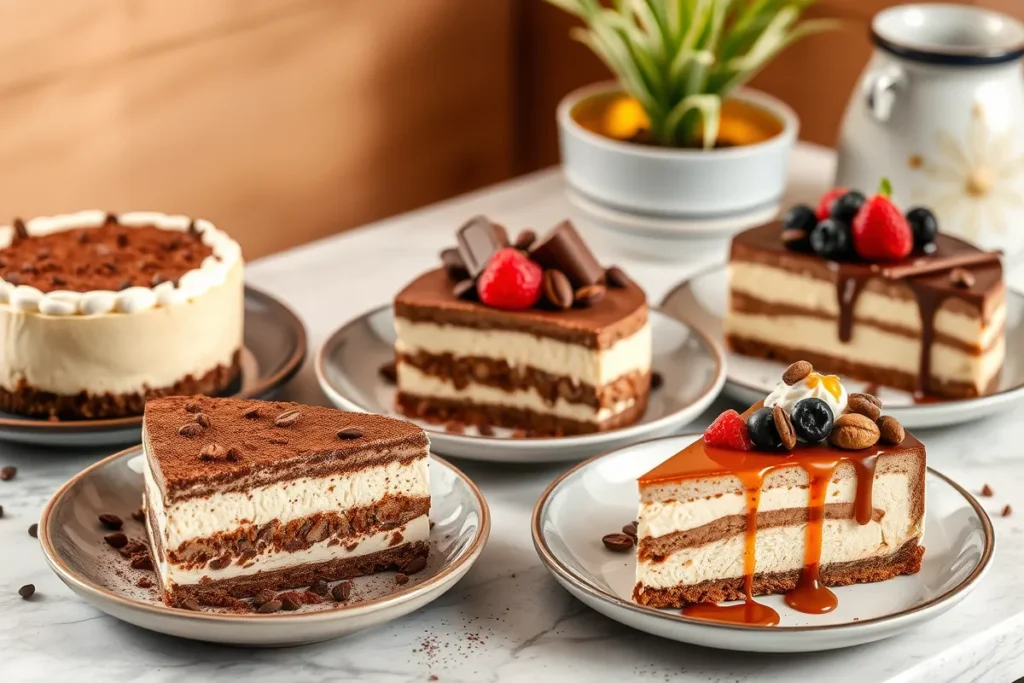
pixel 243 496
pixel 858 289
pixel 810 488
pixel 533 336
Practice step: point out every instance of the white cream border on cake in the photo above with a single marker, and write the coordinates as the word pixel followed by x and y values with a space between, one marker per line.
pixel 212 272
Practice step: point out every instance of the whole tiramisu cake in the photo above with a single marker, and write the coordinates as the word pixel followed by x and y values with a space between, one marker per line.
pixel 862 290
pixel 244 496
pixel 100 312
pixel 809 489
pixel 532 335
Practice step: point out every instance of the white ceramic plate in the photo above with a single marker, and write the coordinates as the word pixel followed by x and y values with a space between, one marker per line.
pixel 701 301
pixel 690 364
pixel 72 542
pixel 274 346
pixel 600 495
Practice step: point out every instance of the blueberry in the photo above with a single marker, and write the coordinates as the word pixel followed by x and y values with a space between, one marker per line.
pixel 925 227
pixel 761 427
pixel 812 420
pixel 831 239
pixel 847 206
pixel 800 217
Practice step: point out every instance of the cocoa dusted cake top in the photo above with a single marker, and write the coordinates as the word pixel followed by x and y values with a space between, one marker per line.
pixel 550 286
pixel 199 444
pixel 108 257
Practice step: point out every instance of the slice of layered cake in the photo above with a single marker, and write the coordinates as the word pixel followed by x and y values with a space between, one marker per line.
pixel 243 496
pixel 812 488
pixel 535 336
pixel 861 290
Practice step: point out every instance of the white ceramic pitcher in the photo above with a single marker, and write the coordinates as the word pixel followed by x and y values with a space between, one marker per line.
pixel 940 111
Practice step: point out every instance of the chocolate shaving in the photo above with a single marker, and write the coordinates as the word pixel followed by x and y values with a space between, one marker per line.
pixel 616 277
pixel 454 265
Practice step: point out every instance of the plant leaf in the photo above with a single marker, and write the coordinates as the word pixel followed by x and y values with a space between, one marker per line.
pixel 709 107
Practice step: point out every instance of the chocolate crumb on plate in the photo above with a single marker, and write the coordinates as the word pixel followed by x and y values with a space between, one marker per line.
pixel 290 601
pixel 1007 511
pixel 341 591
pixel 7 473
pixel 270 607
pixel 27 591
pixel 401 578
pixel 389 372
pixel 116 539
pixel 987 491
pixel 192 604
pixel 320 587
pixel 263 597
pixel 657 380
pixel 139 515
pixel 33 530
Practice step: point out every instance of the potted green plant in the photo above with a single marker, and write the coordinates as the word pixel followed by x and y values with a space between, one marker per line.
pixel 675 140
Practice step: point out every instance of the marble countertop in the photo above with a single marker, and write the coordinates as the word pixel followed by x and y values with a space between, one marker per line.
pixel 507 620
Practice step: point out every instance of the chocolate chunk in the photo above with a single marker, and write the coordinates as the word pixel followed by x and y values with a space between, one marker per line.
pixel 270 606
pixel 389 372
pixel 987 491
pixel 33 530
pixel 563 249
pixel 287 418
pixel 116 539
pixel 415 564
pixel 478 241
pixel 7 473
pixel 657 380
pixel 616 277
pixel 557 289
pixel 619 543
pixel 525 239
pixel 190 430
pixel 401 579
pixel 1007 511
pixel 20 231
pixel 112 522
pixel 961 277
pixel 464 289
pixel 589 295
pixel 220 562
pixel 349 433
pixel 263 597
pixel 454 265
pixel 202 420
pixel 142 561
pixel 144 582
pixel 27 591
pixel 341 591
pixel 320 587
pixel 290 601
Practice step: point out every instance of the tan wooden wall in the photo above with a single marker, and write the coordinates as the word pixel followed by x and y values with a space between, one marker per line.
pixel 285 120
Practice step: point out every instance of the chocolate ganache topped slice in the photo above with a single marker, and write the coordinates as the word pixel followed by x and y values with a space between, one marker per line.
pixel 861 289
pixel 531 334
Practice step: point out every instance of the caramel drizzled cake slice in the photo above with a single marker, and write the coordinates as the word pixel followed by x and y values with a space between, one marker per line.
pixel 249 495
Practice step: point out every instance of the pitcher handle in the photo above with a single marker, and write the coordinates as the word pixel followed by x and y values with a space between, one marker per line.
pixel 880 90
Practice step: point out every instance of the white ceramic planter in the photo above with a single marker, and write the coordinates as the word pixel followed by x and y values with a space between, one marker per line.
pixel 653 201
pixel 940 111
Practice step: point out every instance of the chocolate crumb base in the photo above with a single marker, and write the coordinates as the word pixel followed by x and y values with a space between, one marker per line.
pixel 906 560
pixel 860 371
pixel 31 402
pixel 399 558
pixel 532 423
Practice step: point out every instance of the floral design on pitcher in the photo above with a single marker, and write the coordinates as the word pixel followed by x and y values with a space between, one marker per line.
pixel 974 184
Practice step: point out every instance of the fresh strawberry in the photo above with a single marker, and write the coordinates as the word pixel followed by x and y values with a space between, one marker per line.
pixel 729 430
pixel 510 281
pixel 825 203
pixel 880 231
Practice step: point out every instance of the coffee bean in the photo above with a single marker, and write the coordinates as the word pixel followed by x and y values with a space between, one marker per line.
pixel 389 372
pixel 557 289
pixel 270 606
pixel 796 372
pixel 342 591
pixel 630 530
pixel 213 451
pixel 287 418
pixel 401 579
pixel 192 407
pixel 110 521
pixel 589 295
pixel 784 426
pixel 619 543
pixel 525 239
pixel 27 591
pixel 7 473
pixel 862 406
pixel 891 431
pixel 616 277
pixel 202 420
pixel 350 433
pixel 116 539
pixel 252 413
pixel 854 432
pixel 657 381
pixel 871 398
pixel 190 430
pixel 263 597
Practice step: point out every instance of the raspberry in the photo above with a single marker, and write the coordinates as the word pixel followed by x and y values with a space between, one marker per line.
pixel 729 430
pixel 825 203
pixel 510 281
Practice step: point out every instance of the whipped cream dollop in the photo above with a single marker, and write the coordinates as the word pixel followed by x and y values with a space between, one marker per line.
pixel 826 387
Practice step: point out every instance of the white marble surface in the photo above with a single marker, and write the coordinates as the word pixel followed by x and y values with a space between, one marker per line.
pixel 507 620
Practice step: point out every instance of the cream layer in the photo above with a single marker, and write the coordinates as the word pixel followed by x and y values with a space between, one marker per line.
pixel 411 380
pixel 777 549
pixel 890 493
pixel 123 353
pixel 595 367
pixel 201 517
pixel 777 286
pixel 869 345
pixel 416 530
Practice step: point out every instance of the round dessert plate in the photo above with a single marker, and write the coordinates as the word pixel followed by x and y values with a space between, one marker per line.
pixel 599 496
pixel 72 542
pixel 701 301
pixel 690 364
pixel 273 351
